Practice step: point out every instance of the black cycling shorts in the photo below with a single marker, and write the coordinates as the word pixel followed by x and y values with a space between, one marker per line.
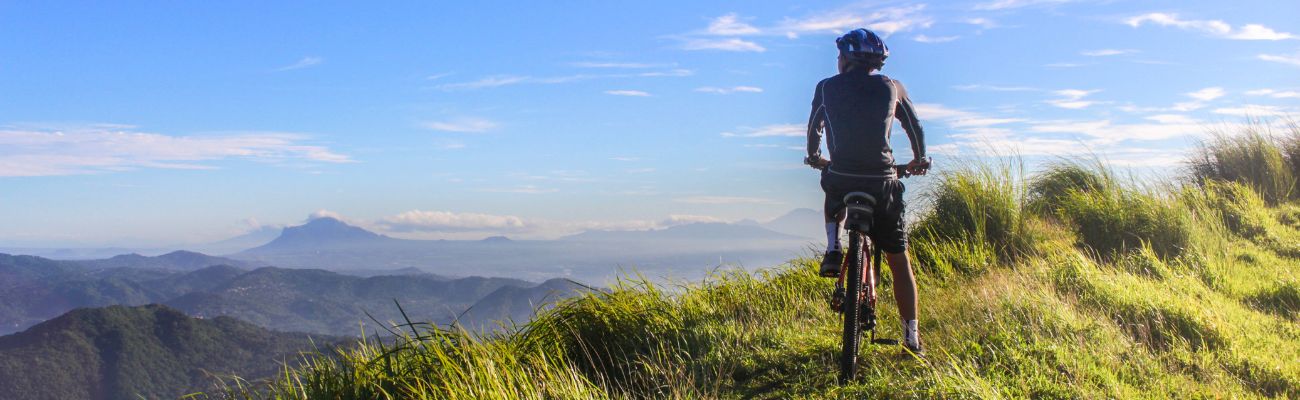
pixel 887 227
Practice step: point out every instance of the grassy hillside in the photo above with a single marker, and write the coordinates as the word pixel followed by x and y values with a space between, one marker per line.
pixel 1069 283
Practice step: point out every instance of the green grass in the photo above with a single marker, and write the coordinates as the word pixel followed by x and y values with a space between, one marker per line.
pixel 1067 284
pixel 1256 157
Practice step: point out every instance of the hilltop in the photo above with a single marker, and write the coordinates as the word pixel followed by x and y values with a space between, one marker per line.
pixel 1073 283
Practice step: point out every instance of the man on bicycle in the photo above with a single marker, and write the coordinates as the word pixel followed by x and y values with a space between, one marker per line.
pixel 856 109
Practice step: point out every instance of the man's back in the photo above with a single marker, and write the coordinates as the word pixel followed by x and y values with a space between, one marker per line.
pixel 857 109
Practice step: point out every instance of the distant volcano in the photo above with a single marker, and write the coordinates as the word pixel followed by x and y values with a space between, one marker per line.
pixel 322 232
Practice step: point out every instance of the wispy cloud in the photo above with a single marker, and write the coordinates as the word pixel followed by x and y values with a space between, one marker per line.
pixel 730 90
pixel 305 62
pixel 487 82
pixel 983 23
pixel 724 200
pixel 619 65
pixel 725 32
pixel 728 44
pixel 1290 59
pixel 1277 94
pixel 730 25
pixel 465 125
pixel 996 88
pixel 1072 98
pixel 1010 4
pixel 522 189
pixel 631 93
pixel 935 39
pixel 770 131
pixel 1107 52
pixel 1212 27
pixel 509 80
pixel 1207 94
pixel 957 118
pixel 438 76
pixel 446 221
pixel 88 149
pixel 884 20
pixel 1252 110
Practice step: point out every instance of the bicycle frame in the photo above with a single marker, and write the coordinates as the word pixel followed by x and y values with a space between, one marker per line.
pixel 859 279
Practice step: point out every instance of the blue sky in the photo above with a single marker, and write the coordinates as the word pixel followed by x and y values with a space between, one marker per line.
pixel 169 123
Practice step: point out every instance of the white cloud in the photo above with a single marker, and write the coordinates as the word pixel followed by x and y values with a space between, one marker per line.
pixel 487 82
pixel 730 25
pixel 1110 132
pixel 982 22
pixel 1207 94
pixel 685 219
pixel 996 88
pixel 1009 4
pixel 1252 110
pixel 619 65
pixel 522 189
pixel 1072 99
pixel 730 44
pixel 465 125
pixel 438 76
pixel 959 118
pixel 1107 52
pixel 305 62
pixel 87 149
pixel 1172 119
pixel 676 72
pixel 1287 94
pixel 730 90
pixel 936 39
pixel 1210 27
pixel 1293 59
pixel 323 213
pixel 446 221
pixel 883 20
pixel 632 93
pixel 1260 32
pixel 771 131
pixel 716 200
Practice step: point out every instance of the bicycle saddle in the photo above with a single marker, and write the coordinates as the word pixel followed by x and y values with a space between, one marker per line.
pixel 859 198
pixel 860 206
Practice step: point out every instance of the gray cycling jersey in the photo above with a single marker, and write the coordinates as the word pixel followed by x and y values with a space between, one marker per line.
pixel 856 110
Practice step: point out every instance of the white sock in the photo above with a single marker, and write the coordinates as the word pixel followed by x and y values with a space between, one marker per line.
pixel 911 336
pixel 832 236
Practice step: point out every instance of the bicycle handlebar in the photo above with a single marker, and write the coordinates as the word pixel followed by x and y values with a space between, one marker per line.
pixel 899 169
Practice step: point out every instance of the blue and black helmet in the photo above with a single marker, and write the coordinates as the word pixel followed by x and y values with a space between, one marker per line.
pixel 859 43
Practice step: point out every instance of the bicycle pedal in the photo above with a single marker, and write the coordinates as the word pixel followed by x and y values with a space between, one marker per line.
pixel 837 301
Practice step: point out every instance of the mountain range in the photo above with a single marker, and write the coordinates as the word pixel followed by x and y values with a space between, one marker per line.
pixel 33 289
pixel 152 352
pixel 682 251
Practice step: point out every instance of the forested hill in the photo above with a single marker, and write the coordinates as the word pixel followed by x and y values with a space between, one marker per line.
pixel 149 351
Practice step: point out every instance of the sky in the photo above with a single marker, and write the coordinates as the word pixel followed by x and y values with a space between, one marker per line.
pixel 172 123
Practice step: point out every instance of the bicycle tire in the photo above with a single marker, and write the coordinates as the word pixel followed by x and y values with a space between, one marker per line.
pixel 852 302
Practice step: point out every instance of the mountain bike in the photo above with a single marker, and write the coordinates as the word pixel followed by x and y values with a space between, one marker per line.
pixel 858 280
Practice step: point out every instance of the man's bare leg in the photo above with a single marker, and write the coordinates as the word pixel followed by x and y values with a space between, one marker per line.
pixel 905 296
pixel 904 284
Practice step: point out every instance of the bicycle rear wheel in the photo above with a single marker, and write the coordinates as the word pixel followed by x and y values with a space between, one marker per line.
pixel 852 302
